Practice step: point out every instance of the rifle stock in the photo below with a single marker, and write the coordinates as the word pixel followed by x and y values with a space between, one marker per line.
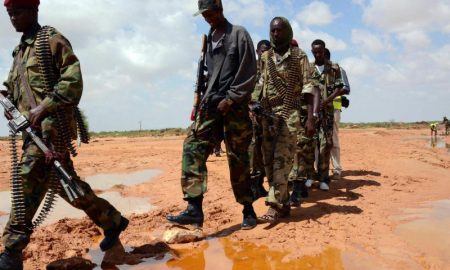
pixel 200 84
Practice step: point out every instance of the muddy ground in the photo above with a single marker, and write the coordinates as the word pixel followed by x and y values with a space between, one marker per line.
pixel 385 172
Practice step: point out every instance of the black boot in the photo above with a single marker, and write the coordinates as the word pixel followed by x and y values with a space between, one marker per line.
pixel 193 215
pixel 296 193
pixel 257 186
pixel 11 260
pixel 112 235
pixel 249 221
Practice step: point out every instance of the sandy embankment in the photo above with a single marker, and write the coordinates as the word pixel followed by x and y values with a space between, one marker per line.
pixel 385 172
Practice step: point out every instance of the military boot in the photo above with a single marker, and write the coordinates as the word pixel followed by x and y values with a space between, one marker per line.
pixel 249 221
pixel 11 260
pixel 112 235
pixel 257 186
pixel 296 193
pixel 193 215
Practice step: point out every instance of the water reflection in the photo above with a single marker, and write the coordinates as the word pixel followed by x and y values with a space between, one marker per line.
pixel 107 181
pixel 226 254
pixel 427 229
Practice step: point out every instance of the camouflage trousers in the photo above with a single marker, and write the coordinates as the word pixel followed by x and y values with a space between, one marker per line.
pixel 34 173
pixel 303 163
pixel 326 144
pixel 235 128
pixel 279 145
pixel 255 152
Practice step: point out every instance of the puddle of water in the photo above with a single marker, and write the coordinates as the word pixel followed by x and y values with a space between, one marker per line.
pixel 225 254
pixel 427 230
pixel 62 209
pixel 107 181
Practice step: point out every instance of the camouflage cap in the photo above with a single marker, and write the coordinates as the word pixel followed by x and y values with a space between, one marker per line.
pixel 204 5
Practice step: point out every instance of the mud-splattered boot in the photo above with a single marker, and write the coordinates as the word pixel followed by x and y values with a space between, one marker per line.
pixel 112 235
pixel 11 260
pixel 193 215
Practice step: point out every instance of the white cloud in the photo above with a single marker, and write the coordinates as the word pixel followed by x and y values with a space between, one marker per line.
pixel 407 15
pixel 413 40
pixel 316 13
pixel 367 41
pixel 305 36
pixel 249 11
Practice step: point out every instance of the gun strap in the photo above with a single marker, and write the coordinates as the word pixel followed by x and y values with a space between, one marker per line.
pixel 24 81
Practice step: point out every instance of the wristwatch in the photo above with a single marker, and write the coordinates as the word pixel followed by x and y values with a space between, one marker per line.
pixel 315 115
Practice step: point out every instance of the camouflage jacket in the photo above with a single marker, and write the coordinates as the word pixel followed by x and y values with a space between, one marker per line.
pixel 330 77
pixel 306 80
pixel 66 92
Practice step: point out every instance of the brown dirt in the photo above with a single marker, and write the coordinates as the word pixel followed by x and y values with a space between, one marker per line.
pixel 386 170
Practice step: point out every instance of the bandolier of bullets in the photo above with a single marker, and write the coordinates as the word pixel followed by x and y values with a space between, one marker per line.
pixel 17 198
pixel 49 78
pixel 286 94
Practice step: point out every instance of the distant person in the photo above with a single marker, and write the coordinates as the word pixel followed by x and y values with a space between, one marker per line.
pixel 257 172
pixel 446 124
pixel 281 64
pixel 224 114
pixel 433 129
pixel 337 105
pixel 330 78
pixel 43 101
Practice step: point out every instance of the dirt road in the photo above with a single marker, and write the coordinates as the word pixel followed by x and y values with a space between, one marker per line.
pixel 385 172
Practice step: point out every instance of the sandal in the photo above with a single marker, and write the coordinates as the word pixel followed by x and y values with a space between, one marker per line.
pixel 273 214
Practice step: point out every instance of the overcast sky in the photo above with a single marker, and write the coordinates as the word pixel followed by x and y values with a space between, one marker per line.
pixel 138 57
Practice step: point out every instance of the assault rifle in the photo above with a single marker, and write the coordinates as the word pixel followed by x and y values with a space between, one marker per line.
pixel 19 123
pixel 200 84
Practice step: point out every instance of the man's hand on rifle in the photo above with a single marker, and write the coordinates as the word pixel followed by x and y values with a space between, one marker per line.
pixel 36 115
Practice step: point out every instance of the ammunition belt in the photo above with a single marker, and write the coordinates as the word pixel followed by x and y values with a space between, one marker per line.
pixel 286 95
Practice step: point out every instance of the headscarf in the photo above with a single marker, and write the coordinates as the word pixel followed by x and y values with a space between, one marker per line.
pixel 289 36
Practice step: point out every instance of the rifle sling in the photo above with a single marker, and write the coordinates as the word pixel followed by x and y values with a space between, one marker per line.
pixel 24 81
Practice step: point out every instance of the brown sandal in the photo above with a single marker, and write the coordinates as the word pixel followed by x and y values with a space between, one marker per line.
pixel 273 214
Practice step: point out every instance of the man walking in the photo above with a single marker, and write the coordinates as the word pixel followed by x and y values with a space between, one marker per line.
pixel 49 107
pixel 286 76
pixel 223 114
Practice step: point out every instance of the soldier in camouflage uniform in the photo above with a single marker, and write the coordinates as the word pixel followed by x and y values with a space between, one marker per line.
pixel 285 77
pixel 257 172
pixel 224 114
pixel 25 88
pixel 330 79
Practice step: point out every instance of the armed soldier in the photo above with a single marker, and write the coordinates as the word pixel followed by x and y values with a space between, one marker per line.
pixel 330 79
pixel 286 75
pixel 257 172
pixel 446 124
pixel 223 114
pixel 48 101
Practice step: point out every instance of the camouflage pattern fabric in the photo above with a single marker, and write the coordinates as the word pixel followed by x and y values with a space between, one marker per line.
pixel 255 153
pixel 236 130
pixel 329 77
pixel 303 164
pixel 34 171
pixel 67 91
pixel 280 137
